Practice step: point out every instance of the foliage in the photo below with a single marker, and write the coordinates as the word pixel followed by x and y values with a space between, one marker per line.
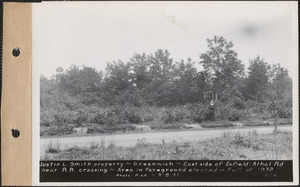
pixel 133 116
pixel 154 88
pixel 55 130
pixel 172 115
pixel 199 112
pixel 221 64
pixel 285 108
pixel 258 78
pixel 77 81
pixel 281 83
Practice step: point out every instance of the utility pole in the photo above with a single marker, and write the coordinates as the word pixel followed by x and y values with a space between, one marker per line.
pixel 274 112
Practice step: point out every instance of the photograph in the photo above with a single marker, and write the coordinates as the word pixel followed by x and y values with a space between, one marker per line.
pixel 165 81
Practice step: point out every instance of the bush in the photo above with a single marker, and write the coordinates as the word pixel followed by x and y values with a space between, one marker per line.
pixel 150 114
pixel 76 117
pixel 110 116
pixel 285 108
pixel 47 117
pixel 57 130
pixel 258 108
pixel 200 113
pixel 158 126
pixel 286 112
pixel 51 117
pixel 120 127
pixel 100 118
pixel 172 115
pixel 239 103
pixel 43 130
pixel 92 130
pixel 228 112
pixel 133 116
pixel 235 115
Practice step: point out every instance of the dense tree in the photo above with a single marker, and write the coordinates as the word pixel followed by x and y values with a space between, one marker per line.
pixel 77 80
pixel 117 76
pixel 155 88
pixel 258 79
pixel 281 83
pixel 189 86
pixel 221 64
pixel 139 70
pixel 161 66
pixel 160 70
pixel 156 79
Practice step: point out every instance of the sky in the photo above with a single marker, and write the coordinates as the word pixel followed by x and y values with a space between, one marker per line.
pixel 94 33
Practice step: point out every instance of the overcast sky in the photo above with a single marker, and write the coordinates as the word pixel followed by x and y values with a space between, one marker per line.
pixel 93 33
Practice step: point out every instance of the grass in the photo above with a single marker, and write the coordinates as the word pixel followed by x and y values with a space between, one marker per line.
pixel 97 129
pixel 99 120
pixel 227 147
pixel 53 148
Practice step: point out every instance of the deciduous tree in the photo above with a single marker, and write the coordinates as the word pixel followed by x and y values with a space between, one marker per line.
pixel 221 64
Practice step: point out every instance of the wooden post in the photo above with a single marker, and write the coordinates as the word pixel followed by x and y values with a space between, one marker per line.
pixel 275 124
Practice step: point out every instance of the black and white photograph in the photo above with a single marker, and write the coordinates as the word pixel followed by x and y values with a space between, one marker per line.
pixel 161 81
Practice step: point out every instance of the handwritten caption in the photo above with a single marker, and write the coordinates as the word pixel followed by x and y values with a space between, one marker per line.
pixel 165 170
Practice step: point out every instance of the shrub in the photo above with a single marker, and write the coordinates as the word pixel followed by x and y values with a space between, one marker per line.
pixel 58 130
pixel 133 116
pixel 59 118
pixel 111 116
pixel 111 119
pixel 285 108
pixel 241 141
pixel 257 107
pixel 100 118
pixel 43 130
pixel 115 115
pixel 92 130
pixel 167 116
pixel 119 127
pixel 172 115
pixel 200 113
pixel 286 112
pixel 151 114
pixel 47 117
pixel 228 112
pixel 76 117
pixel 235 115
pixel 238 103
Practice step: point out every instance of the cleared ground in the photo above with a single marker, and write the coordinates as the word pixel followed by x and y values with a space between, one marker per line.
pixel 130 140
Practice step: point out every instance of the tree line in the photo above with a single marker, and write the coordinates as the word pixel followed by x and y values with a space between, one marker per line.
pixel 155 79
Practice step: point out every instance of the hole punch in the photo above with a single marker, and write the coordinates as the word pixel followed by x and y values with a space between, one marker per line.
pixel 15 133
pixel 16 52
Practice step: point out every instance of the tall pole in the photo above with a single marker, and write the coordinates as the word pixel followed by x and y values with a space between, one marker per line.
pixel 275 123
pixel 274 112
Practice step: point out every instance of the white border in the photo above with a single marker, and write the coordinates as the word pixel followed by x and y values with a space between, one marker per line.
pixel 36 125
pixel 35 111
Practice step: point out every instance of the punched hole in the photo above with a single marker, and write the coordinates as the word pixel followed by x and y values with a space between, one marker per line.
pixel 15 133
pixel 16 52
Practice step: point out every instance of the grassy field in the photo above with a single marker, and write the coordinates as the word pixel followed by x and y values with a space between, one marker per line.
pixel 227 147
